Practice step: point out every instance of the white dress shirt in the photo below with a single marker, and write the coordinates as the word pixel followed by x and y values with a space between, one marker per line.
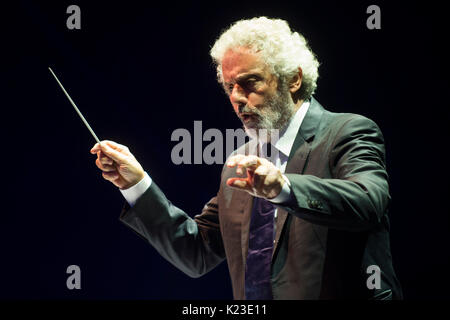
pixel 279 159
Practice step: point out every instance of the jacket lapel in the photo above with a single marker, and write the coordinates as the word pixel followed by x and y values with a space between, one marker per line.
pixel 298 158
pixel 299 155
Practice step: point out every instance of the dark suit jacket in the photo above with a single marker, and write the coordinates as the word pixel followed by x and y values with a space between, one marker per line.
pixel 326 237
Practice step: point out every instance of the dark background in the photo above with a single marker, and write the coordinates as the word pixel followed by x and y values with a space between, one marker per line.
pixel 139 71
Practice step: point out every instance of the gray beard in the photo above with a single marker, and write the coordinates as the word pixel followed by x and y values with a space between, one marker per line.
pixel 275 116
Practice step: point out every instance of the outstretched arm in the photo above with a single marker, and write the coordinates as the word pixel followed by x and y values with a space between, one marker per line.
pixel 193 245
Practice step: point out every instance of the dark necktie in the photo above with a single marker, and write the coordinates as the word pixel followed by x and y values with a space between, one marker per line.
pixel 260 247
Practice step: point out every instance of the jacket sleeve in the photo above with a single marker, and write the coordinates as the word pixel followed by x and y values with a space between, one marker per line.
pixel 192 245
pixel 357 195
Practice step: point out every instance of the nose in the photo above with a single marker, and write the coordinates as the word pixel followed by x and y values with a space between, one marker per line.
pixel 238 96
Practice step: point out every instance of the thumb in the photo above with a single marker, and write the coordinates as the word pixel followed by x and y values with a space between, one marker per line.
pixel 95 148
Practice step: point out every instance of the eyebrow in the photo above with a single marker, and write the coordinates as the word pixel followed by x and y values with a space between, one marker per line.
pixel 245 76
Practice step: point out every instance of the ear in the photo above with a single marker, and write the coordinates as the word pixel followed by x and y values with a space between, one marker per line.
pixel 296 81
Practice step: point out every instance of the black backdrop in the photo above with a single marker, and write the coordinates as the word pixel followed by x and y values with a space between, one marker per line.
pixel 139 71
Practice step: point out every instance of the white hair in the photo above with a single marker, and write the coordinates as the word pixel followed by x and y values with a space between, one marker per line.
pixel 281 49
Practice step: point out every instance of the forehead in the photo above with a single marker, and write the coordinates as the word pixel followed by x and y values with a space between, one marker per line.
pixel 240 61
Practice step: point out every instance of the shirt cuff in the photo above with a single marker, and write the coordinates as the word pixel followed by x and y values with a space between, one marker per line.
pixel 285 193
pixel 133 193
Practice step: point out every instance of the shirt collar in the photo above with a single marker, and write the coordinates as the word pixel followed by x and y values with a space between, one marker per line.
pixel 287 135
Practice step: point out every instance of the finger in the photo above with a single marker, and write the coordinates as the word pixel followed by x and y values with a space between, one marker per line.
pixel 115 155
pixel 232 161
pixel 105 167
pixel 240 183
pixel 249 162
pixel 110 176
pixel 260 176
pixel 262 170
pixel 95 148
pixel 104 158
pixel 116 146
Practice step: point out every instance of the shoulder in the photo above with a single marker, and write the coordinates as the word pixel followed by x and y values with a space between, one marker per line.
pixel 349 124
pixel 334 123
pixel 348 120
pixel 355 133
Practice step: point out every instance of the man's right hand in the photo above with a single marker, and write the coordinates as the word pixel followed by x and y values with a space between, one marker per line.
pixel 117 163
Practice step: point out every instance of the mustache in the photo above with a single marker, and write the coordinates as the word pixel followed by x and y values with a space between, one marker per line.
pixel 246 109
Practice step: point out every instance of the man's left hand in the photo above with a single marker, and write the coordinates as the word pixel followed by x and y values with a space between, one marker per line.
pixel 263 179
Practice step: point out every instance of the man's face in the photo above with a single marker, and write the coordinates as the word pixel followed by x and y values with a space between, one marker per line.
pixel 254 92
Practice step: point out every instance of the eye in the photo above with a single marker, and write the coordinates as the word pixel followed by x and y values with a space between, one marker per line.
pixel 230 87
pixel 250 82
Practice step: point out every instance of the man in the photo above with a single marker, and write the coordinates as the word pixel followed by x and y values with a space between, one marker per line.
pixel 308 221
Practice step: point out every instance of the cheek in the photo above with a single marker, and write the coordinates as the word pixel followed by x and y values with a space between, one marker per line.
pixel 257 101
pixel 235 106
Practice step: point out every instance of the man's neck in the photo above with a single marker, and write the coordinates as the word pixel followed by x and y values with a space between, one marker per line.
pixel 298 105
